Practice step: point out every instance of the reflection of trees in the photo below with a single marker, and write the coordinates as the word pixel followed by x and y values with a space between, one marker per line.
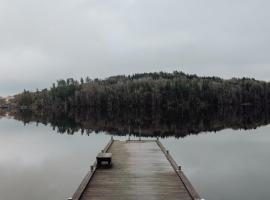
pixel 166 124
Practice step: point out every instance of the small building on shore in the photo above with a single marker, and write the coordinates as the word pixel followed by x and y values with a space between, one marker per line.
pixel 6 102
pixel 9 99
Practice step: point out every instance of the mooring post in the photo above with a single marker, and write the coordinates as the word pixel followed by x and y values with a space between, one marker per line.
pixel 167 151
pixel 102 151
pixel 179 168
pixel 92 168
pixel 128 133
pixel 140 133
pixel 111 138
pixel 157 138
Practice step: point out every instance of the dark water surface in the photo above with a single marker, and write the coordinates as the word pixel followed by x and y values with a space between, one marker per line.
pixel 39 163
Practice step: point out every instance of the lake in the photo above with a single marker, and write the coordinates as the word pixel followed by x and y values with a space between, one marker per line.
pixel 41 162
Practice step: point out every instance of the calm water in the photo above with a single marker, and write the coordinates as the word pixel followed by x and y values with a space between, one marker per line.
pixel 37 163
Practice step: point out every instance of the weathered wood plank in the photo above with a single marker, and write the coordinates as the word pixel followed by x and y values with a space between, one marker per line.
pixel 140 170
pixel 77 195
pixel 181 175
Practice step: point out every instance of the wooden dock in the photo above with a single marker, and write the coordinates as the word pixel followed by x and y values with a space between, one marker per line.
pixel 141 170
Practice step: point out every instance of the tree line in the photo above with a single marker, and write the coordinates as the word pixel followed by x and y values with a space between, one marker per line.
pixel 153 93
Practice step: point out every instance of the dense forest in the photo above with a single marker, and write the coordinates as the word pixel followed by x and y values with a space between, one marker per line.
pixel 154 93
pixel 148 104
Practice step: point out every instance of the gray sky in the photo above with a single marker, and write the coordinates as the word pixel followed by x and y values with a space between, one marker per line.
pixel 42 41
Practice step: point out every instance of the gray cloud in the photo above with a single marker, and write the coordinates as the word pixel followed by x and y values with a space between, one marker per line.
pixel 42 41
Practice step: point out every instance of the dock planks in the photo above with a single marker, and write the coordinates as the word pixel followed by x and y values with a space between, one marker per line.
pixel 141 170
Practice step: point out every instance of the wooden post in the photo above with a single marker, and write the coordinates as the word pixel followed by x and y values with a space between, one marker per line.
pixel 179 168
pixel 112 138
pixel 167 151
pixel 140 133
pixel 102 151
pixel 92 168
pixel 128 133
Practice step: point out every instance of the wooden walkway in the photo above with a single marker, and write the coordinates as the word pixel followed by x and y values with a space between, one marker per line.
pixel 141 170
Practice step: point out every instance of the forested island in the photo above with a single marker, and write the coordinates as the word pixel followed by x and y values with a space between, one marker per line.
pixel 151 103
pixel 147 92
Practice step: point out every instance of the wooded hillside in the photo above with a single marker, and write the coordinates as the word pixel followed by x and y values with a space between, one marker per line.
pixel 148 92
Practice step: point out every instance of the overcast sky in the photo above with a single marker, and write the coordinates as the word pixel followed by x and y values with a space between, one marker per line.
pixel 42 41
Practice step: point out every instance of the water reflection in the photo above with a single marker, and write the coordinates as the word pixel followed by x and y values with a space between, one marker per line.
pixel 227 165
pixel 36 164
pixel 164 124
